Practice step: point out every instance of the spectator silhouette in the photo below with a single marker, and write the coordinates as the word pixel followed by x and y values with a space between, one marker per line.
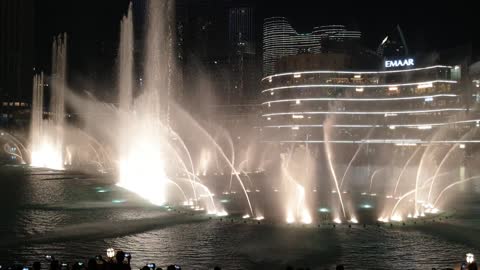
pixel 55 265
pixel 119 262
pixel 36 266
pixel 92 264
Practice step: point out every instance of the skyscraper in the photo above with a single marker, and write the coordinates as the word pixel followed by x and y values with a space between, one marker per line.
pixel 281 39
pixel 393 45
pixel 242 58
pixel 16 49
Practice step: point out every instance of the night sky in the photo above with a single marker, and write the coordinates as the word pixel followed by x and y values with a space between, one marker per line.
pixel 428 26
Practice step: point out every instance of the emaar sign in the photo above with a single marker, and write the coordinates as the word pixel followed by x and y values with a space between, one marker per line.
pixel 400 63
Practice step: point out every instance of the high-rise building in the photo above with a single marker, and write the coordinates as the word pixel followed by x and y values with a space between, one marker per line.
pixel 393 45
pixel 16 49
pixel 281 39
pixel 243 53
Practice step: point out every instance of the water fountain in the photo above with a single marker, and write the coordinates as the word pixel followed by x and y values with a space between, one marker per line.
pixel 154 155
pixel 47 135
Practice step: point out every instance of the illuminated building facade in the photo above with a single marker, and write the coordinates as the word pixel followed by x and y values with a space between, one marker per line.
pixel 406 105
pixel 281 39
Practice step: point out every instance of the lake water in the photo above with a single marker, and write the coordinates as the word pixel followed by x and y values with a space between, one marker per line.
pixel 75 217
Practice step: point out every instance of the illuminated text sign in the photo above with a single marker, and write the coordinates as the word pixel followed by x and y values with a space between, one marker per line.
pixel 399 63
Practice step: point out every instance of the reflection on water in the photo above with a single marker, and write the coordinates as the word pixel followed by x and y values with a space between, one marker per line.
pixel 85 216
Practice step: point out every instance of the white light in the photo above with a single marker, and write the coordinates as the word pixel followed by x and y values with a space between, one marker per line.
pixel 359 89
pixel 386 114
pixel 295 127
pixel 110 252
pixel 358 72
pixel 470 258
pixel 427 98
pixel 297 101
pixel 296 116
pixel 392 127
pixel 222 213
pixel 301 86
pixel 423 127
pixel 393 88
pixel 353 220
pixel 358 76
pixel 406 144
pixel 306 218
pixel 269 118
pixel 425 85
pixel 396 217
pixel 246 216
pixel 290 218
pixel 383 219
pixel 462 146
pixel 259 218
pixel 297 75
pixel 323 210
pixel 272 93
pixel 337 220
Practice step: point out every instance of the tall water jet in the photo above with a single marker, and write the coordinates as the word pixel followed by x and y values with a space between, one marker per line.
pixel 142 164
pixel 48 135
pixel 403 170
pixel 295 178
pixel 371 179
pixel 36 122
pixel 353 158
pixel 452 185
pixel 444 160
pixel 125 71
pixel 326 126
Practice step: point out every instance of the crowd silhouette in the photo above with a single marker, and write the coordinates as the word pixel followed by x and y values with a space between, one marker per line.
pixel 120 260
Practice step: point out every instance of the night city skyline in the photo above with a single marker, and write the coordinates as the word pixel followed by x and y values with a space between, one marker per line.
pixel 425 27
pixel 239 134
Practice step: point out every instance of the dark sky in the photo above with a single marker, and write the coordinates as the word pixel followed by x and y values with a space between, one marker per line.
pixel 428 26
